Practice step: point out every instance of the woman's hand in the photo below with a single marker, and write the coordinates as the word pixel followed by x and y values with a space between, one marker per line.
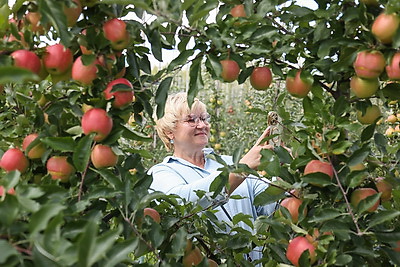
pixel 253 157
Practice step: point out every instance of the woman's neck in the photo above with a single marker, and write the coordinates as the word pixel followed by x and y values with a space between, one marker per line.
pixel 196 158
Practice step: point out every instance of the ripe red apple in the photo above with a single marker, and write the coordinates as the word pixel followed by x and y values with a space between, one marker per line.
pixel 14 159
pixel 298 87
pixel 293 204
pixel 393 69
pixel 319 166
pixel 96 120
pixel 35 152
pixel 385 27
pixel 27 60
pixel 72 13
pixel 103 156
pixel 296 247
pixel 385 188
pixel 360 194
pixel 364 88
pixel 372 113
pixel 115 31
pixel 84 74
pixel 59 168
pixel 57 59
pixel 121 98
pixel 230 70
pixel 261 78
pixel 369 64
pixel 192 257
pixel 153 214
pixel 10 191
pixel 238 11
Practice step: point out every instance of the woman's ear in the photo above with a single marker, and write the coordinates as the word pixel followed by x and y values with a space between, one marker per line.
pixel 170 135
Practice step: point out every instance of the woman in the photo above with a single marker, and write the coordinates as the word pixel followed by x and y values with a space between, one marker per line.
pixel 185 131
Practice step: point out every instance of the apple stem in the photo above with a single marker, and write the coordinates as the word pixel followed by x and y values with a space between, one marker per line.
pixel 350 210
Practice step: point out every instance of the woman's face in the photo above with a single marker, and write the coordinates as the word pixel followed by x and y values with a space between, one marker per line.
pixel 192 131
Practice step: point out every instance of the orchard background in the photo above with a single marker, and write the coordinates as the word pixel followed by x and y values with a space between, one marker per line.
pixel 66 206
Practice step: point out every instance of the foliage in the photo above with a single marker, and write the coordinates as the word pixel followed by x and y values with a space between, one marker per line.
pixel 96 218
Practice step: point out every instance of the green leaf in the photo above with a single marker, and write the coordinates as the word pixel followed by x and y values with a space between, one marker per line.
pixel 181 59
pixel 87 243
pixel 391 91
pixel 381 142
pixel 240 217
pixel 317 179
pixel 103 243
pixel 7 250
pixel 270 195
pixel 10 74
pixel 340 107
pixel 383 216
pixel 52 11
pixel 63 144
pixel 119 252
pixel 325 215
pixel 368 202
pixel 134 135
pixel 40 219
pixel 196 81
pixel 161 95
pixel 270 162
pixel 341 147
pixel 134 68
pixel 359 155
pixel 213 64
pixel 82 152
pixel 155 41
pixel 9 208
pixel 110 177
pixel 368 132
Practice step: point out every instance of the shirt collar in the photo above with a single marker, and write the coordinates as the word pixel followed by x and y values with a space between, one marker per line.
pixel 207 151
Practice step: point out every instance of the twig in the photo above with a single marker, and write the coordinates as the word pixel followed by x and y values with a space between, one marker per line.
pixel 350 210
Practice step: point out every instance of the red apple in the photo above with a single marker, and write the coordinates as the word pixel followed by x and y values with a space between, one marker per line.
pixel 59 168
pixel 115 31
pixel 393 69
pixel 35 152
pixel 296 247
pixel 385 188
pixel 319 166
pixel 72 13
pixel 82 73
pixel 103 156
pixel 298 87
pixel 121 98
pixel 293 204
pixel 230 70
pixel 96 120
pixel 57 59
pixel 238 11
pixel 360 194
pixel 372 113
pixel 14 159
pixel 153 214
pixel 369 64
pixel 192 256
pixel 212 263
pixel 27 60
pixel 364 88
pixel 385 27
pixel 261 78
pixel 10 191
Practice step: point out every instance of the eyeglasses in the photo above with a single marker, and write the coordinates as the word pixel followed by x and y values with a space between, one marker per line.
pixel 193 120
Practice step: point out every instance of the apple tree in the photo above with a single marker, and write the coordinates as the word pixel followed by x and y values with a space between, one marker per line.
pixel 74 190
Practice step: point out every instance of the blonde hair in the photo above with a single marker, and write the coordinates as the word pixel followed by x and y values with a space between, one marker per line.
pixel 176 107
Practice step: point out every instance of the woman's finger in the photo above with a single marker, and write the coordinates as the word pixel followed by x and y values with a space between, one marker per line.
pixel 265 134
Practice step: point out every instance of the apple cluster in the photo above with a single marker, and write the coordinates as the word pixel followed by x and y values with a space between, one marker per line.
pixel 95 70
pixel 370 65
